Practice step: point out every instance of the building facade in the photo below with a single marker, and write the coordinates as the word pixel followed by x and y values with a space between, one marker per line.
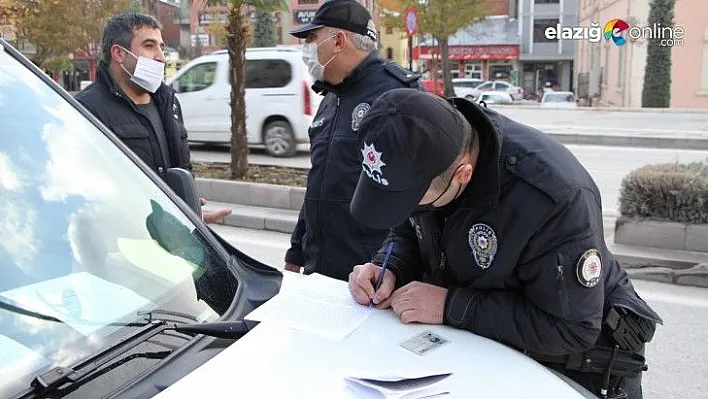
pixel 487 50
pixel 617 72
pixel 394 45
pixel 546 61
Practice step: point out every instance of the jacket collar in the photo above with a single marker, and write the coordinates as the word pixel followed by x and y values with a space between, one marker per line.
pixel 103 77
pixel 368 65
pixel 484 188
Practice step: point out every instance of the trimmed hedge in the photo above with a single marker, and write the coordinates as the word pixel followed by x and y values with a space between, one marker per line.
pixel 675 192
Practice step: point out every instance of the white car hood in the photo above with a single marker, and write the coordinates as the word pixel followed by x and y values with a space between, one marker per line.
pixel 276 362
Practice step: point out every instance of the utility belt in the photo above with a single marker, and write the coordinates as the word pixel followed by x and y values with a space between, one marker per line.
pixel 618 353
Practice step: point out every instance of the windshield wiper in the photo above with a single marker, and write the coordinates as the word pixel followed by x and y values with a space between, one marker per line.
pixel 65 377
pixel 58 377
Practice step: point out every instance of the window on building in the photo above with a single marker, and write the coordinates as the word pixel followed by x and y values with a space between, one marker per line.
pixel 539 30
pixel 473 70
pixel 621 67
pixel 267 73
pixel 389 53
pixel 197 78
pixel 389 30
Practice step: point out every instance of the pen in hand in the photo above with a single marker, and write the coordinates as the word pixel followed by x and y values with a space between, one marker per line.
pixel 379 280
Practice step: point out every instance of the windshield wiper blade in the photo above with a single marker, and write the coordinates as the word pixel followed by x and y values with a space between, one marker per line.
pixel 58 377
pixel 218 329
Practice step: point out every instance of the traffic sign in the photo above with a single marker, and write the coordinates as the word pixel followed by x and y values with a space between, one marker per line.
pixel 411 17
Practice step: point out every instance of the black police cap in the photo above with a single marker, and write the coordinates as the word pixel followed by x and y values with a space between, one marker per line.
pixel 410 138
pixel 344 14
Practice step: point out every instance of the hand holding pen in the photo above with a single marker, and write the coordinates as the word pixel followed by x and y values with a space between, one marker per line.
pixel 372 285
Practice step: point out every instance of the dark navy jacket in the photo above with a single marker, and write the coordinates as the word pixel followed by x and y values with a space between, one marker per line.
pixel 515 249
pixel 327 239
pixel 107 102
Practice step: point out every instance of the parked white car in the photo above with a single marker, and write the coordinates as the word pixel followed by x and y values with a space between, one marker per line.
pixel 464 87
pixel 517 93
pixel 558 99
pixel 280 103
pixel 495 97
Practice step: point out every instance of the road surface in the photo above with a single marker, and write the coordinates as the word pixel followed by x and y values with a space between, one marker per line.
pixel 648 124
pixel 607 165
pixel 677 357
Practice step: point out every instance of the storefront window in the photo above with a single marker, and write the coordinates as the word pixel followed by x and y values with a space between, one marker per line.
pixel 500 71
pixel 473 70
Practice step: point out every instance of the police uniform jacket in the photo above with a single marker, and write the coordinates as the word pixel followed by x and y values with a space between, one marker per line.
pixel 522 249
pixel 326 238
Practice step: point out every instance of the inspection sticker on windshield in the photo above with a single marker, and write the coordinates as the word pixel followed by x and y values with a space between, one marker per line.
pixel 424 342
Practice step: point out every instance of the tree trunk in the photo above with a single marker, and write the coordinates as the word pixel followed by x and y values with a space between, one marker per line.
pixel 445 58
pixel 237 58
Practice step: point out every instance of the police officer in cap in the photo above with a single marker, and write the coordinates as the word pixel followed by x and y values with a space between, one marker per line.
pixel 340 51
pixel 497 229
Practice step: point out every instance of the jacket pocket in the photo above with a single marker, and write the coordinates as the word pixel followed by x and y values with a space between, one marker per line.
pixel 136 137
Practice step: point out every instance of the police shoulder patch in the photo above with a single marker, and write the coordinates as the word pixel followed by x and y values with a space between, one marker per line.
pixel 358 114
pixel 483 241
pixel 589 268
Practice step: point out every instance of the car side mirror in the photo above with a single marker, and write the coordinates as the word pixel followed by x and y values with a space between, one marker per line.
pixel 183 184
pixel 175 85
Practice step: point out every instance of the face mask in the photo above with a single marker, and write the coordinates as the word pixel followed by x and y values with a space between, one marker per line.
pixel 429 207
pixel 312 60
pixel 148 73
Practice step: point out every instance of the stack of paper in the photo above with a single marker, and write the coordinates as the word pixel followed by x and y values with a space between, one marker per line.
pixel 402 385
pixel 316 304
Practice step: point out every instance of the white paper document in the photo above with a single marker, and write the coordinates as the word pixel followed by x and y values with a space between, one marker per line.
pixel 317 305
pixel 400 385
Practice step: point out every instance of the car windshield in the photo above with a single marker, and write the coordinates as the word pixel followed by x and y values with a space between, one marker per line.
pixel 89 241
pixel 557 97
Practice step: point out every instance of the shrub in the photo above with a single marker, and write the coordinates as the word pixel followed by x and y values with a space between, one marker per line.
pixel 675 192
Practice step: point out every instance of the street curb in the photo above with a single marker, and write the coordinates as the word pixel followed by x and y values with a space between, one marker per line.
pixel 612 109
pixel 254 194
pixel 662 234
pixel 631 141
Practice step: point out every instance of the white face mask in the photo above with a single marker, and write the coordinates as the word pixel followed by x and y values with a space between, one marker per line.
pixel 312 60
pixel 148 72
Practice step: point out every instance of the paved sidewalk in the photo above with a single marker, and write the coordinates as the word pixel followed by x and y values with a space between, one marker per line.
pixel 669 266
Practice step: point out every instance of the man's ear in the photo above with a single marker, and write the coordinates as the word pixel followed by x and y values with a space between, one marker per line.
pixel 340 41
pixel 118 54
pixel 464 174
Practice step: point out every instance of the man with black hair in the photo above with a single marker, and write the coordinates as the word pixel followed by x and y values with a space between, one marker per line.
pixel 131 99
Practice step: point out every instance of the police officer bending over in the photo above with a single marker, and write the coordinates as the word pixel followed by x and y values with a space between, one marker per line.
pixel 497 229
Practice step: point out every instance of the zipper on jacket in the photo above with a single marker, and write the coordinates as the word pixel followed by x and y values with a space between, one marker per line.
pixel 333 130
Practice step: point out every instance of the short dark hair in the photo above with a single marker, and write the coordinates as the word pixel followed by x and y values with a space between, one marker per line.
pixel 469 142
pixel 120 30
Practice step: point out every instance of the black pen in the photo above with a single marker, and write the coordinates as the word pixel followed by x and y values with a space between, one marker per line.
pixel 382 272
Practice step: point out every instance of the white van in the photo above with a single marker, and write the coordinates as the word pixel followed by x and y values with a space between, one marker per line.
pixel 280 103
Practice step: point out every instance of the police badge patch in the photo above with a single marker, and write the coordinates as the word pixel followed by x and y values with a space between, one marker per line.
pixel 589 268
pixel 358 114
pixel 483 241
